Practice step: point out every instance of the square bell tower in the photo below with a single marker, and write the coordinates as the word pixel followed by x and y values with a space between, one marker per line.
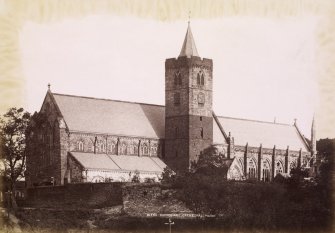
pixel 188 106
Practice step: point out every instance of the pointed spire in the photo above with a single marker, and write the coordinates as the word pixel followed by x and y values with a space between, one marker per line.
pixel 313 137
pixel 189 49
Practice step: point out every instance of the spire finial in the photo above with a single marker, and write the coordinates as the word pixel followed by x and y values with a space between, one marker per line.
pixel 189 17
pixel 49 86
pixel 189 49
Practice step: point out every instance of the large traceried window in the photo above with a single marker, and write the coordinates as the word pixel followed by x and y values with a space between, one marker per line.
pixel 292 165
pixel 252 169
pixel 279 168
pixel 266 171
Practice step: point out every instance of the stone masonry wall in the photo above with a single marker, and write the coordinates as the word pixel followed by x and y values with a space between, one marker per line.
pixel 85 195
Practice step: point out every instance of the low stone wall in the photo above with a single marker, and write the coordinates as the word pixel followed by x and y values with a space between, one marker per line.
pixel 84 195
pixel 137 199
pixel 146 200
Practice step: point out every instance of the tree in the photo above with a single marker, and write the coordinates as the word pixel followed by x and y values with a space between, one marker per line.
pixel 211 163
pixel 136 177
pixel 13 128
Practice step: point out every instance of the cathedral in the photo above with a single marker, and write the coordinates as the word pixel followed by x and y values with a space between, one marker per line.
pixel 77 139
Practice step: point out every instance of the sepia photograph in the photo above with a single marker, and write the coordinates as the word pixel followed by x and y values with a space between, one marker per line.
pixel 167 116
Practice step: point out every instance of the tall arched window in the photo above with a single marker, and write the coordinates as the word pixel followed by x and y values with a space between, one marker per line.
pixel 266 171
pixel 176 98
pixel 177 78
pixel 145 150
pixel 130 149
pixel 153 150
pixel 112 149
pixel 252 169
pixel 102 147
pixel 80 146
pixel 90 146
pixel 201 132
pixel 135 149
pixel 123 149
pixel 202 79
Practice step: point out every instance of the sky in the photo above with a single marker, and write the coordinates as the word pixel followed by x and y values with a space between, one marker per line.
pixel 264 68
pixel 272 58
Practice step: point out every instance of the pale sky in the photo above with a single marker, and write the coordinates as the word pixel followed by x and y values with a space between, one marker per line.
pixel 263 68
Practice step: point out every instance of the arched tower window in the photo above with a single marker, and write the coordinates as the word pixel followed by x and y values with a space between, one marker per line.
pixel 201 99
pixel 177 78
pixel 202 79
pixel 176 99
pixel 201 132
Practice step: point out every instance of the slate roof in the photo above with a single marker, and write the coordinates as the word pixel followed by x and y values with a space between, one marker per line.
pixel 112 117
pixel 269 134
pixel 144 120
pixel 95 161
pixel 119 162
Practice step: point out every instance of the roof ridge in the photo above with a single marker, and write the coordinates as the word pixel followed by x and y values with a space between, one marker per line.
pixel 94 98
pixel 244 119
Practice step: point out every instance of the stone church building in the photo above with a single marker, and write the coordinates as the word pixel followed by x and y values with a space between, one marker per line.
pixel 83 139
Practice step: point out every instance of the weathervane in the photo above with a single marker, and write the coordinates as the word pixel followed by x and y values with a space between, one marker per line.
pixel 189 16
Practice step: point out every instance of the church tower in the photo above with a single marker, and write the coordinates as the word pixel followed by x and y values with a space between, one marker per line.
pixel 188 106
